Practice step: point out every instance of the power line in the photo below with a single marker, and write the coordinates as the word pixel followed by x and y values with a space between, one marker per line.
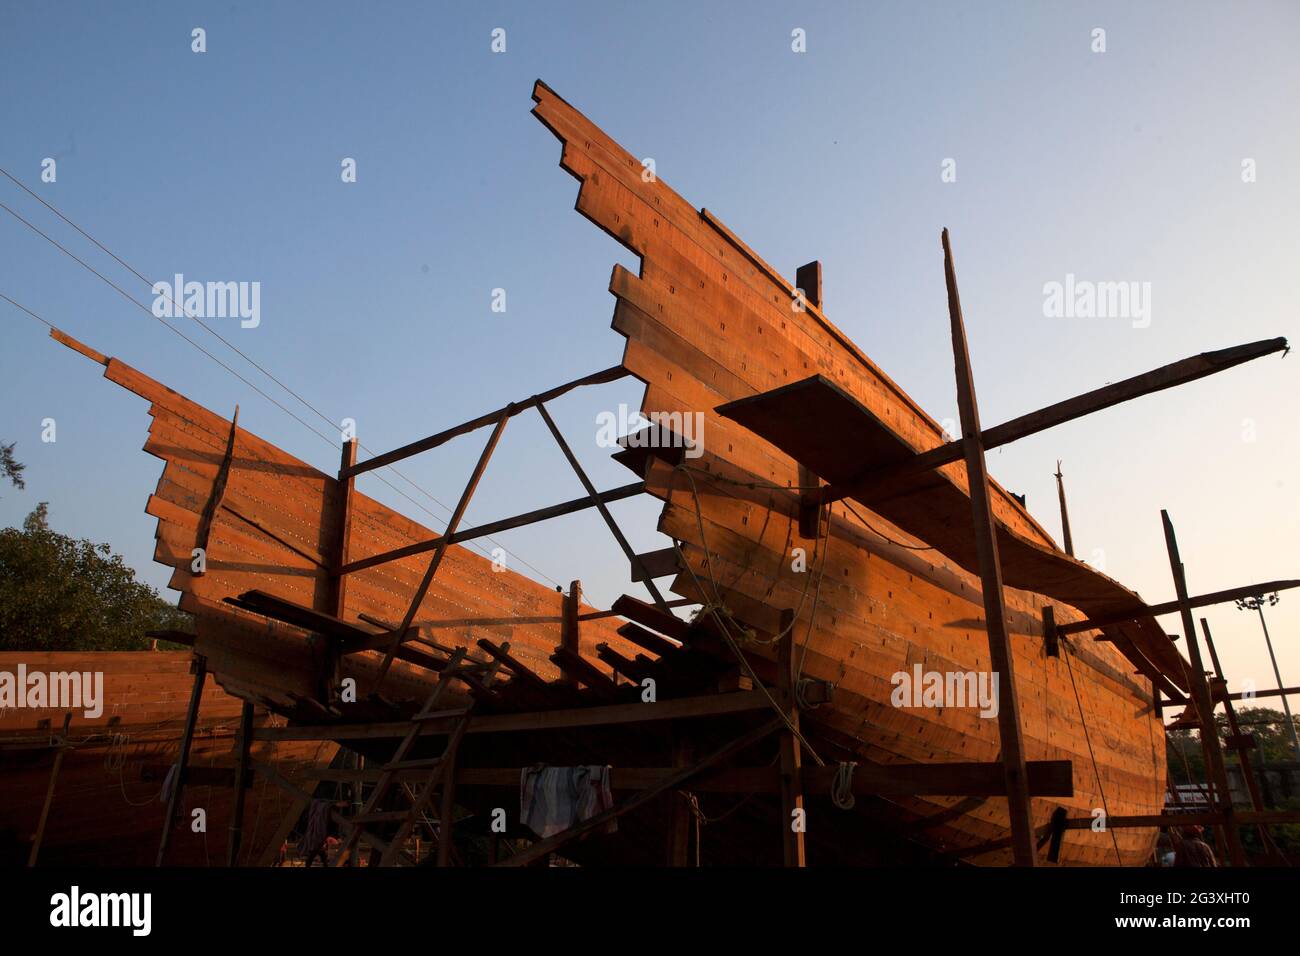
pixel 233 348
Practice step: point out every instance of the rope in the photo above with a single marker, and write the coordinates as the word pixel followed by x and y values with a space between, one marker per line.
pixel 721 622
pixel 842 785
pixel 1091 755
pixel 877 531
pixel 115 763
pixel 800 694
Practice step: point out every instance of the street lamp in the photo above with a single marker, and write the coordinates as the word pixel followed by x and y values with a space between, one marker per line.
pixel 1257 603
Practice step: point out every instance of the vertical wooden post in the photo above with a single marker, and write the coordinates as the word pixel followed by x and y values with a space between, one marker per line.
pixel 1214 766
pixel 808 278
pixel 447 809
pixel 191 718
pixel 342 531
pixel 1243 752
pixel 1065 512
pixel 986 546
pixel 791 754
pixel 244 745
pixel 49 792
pixel 569 637
pixel 680 817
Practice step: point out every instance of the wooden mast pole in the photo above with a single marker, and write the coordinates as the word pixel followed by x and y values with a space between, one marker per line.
pixel 1204 703
pixel 986 545
pixel 1065 512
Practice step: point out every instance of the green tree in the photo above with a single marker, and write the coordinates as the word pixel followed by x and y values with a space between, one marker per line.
pixel 60 594
pixel 1187 765
pixel 11 467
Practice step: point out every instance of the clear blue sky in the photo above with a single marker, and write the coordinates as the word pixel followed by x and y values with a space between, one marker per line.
pixel 1115 166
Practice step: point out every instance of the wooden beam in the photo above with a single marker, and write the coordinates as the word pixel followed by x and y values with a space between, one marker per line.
pixel 243 745
pixel 1194 818
pixel 496 527
pixel 271 852
pixel 680 815
pixel 569 637
pixel 1051 634
pixel 1204 703
pixel 1167 376
pixel 611 374
pixel 340 545
pixel 792 809
pixel 1171 607
pixel 708 705
pixel 39 837
pixel 1276 692
pixel 218 491
pixel 400 634
pixel 614 529
pixel 544 847
pixel 986 545
pixel 183 758
pixel 657 564
pixel 1068 541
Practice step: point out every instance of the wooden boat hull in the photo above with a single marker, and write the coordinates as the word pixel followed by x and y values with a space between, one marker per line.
pixel 106 809
pixel 707 322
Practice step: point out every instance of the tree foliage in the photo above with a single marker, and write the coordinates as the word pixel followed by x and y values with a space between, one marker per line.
pixel 10 467
pixel 60 594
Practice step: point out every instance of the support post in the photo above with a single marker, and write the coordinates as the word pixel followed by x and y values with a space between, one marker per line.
pixel 569 637
pixel 1065 512
pixel 792 808
pixel 986 545
pixel 680 815
pixel 452 524
pixel 49 792
pixel 1204 703
pixel 632 556
pixel 183 759
pixel 1243 753
pixel 243 744
pixel 808 279
pixel 342 531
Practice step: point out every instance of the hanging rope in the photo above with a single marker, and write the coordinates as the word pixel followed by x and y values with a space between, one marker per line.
pixel 842 785
pixel 712 609
pixel 1091 755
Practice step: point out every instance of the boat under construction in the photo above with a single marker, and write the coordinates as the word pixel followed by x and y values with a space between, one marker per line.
pixel 853 648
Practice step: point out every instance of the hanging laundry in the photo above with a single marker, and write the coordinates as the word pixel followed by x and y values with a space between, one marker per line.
pixel 553 799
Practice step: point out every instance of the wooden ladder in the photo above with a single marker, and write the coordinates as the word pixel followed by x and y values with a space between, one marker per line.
pixel 439 769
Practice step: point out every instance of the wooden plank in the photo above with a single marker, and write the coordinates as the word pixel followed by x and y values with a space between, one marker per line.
pixel 708 705
pixel 656 564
